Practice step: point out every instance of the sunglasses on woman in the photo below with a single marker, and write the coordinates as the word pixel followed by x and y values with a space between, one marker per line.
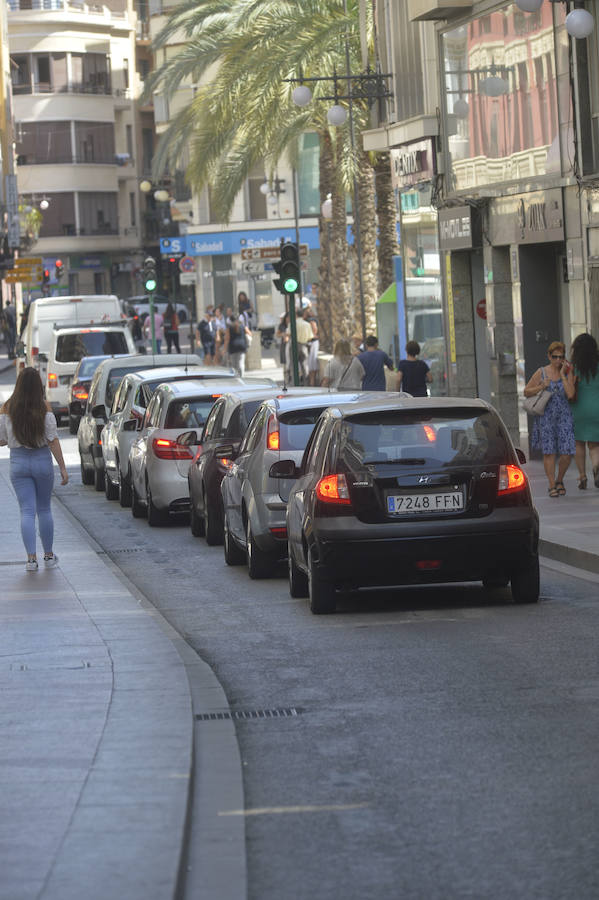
pixel 557 356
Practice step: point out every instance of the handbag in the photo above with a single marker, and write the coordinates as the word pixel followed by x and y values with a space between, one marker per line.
pixel 535 406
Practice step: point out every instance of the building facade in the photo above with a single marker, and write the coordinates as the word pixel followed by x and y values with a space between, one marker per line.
pixel 507 99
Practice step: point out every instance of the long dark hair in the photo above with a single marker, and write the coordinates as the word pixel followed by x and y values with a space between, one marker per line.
pixel 27 409
pixel 585 356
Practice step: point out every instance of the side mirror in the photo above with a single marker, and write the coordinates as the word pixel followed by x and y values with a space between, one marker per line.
pixel 284 468
pixel 521 455
pixel 99 411
pixel 188 439
pixel 130 425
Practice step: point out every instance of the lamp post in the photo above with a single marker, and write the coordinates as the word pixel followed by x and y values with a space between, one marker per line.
pixel 369 86
pixel 579 21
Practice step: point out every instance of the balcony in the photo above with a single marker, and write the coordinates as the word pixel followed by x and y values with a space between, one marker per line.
pixel 437 9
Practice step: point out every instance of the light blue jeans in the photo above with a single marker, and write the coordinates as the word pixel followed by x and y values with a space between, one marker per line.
pixel 32 476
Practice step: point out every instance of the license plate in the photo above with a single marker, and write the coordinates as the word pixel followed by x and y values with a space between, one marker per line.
pixel 445 501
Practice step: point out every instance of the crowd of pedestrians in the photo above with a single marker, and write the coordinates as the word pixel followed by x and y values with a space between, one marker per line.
pixel 226 337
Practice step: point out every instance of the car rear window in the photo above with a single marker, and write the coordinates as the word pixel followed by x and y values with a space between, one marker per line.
pixel 296 427
pixel 88 367
pixel 442 437
pixel 73 347
pixel 188 413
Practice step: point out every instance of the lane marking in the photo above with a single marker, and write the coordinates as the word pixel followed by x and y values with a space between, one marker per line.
pixel 277 810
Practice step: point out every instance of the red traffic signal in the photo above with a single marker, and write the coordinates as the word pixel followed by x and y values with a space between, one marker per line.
pixel 46 277
pixel 58 269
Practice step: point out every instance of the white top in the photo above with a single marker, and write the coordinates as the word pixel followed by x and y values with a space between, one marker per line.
pixel 6 432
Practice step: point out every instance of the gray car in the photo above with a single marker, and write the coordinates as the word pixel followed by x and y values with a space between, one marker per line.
pixel 255 504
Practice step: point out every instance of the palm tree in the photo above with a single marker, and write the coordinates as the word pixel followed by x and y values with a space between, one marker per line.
pixel 241 52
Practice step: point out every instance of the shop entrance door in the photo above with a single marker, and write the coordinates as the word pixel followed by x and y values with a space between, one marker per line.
pixel 540 278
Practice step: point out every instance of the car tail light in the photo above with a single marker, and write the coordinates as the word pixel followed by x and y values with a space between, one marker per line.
pixel 279 532
pixel 35 351
pixel 428 565
pixel 79 392
pixel 511 478
pixel 431 434
pixel 224 462
pixel 333 489
pixel 273 437
pixel 164 448
pixel 52 380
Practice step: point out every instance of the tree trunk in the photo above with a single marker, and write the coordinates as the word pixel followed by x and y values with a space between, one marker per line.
pixel 387 218
pixel 340 285
pixel 325 306
pixel 365 318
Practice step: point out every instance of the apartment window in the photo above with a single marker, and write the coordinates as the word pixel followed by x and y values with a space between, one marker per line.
pixel 98 213
pixel 126 74
pixel 256 199
pixel 129 139
pixel 20 74
pixel 43 84
pixel 147 144
pixel 132 213
pixel 94 142
pixel 59 218
pixel 40 143
pixel 91 73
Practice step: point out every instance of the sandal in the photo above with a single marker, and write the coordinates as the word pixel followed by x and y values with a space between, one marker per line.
pixel 561 490
pixel 582 483
pixel 553 492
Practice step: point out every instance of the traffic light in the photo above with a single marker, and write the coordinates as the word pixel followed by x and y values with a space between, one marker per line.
pixel 46 277
pixel 150 274
pixel 417 263
pixel 58 269
pixel 288 269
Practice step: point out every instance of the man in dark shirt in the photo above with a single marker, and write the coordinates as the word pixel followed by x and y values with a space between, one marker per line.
pixel 374 362
pixel 414 374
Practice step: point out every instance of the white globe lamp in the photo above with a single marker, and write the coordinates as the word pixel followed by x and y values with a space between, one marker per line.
pixel 145 186
pixel 301 95
pixel 337 115
pixel 579 23
pixel 494 86
pixel 264 188
pixel 271 199
pixel 461 108
pixel 161 195
pixel 529 5
pixel 44 204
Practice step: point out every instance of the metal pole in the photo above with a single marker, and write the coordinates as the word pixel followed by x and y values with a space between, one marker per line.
pixel 293 334
pixel 297 231
pixel 356 209
pixel 152 322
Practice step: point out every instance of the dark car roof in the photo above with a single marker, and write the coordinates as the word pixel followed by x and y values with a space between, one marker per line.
pixel 365 404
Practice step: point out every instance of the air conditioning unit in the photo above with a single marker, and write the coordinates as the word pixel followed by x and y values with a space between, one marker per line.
pixel 437 9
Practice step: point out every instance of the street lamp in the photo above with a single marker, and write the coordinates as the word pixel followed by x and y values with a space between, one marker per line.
pixel 579 22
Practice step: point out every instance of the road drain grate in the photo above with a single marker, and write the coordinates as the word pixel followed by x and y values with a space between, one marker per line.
pixel 122 550
pixel 289 712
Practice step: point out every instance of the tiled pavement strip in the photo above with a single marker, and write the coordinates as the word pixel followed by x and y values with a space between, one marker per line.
pixel 96 724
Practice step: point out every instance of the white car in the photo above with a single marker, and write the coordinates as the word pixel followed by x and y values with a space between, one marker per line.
pixel 126 417
pixel 161 454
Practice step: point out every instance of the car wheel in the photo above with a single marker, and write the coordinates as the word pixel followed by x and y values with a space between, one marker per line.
pixel 125 494
pixel 212 527
pixel 155 516
pixel 298 582
pixel 111 490
pixel 73 425
pixel 321 593
pixel 526 583
pixel 99 479
pixel 87 475
pixel 496 581
pixel 260 564
pixel 196 522
pixel 234 555
pixel 138 510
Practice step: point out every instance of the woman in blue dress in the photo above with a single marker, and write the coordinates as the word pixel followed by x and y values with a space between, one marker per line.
pixel 553 432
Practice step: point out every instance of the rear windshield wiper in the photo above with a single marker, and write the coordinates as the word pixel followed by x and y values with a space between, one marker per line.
pixel 407 461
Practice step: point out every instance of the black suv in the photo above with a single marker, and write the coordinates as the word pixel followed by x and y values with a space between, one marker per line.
pixel 412 491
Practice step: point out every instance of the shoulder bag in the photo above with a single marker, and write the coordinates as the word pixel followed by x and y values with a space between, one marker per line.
pixel 535 406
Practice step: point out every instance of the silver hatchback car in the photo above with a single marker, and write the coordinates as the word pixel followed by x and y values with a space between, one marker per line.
pixel 255 504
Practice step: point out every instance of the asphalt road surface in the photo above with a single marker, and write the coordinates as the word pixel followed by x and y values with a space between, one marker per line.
pixel 445 744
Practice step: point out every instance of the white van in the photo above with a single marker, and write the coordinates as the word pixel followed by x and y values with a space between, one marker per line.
pixel 46 312
pixel 69 346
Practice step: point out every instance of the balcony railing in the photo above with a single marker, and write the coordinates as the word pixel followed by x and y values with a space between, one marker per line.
pixel 43 87
pixel 31 159
pixel 65 6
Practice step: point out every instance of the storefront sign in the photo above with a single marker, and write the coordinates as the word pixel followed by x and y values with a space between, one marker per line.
pixel 230 242
pixel 455 228
pixel 533 218
pixel 412 163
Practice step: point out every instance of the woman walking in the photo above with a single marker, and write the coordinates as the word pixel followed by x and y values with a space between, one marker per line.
pixel 553 432
pixel 171 328
pixel 236 344
pixel 585 412
pixel 28 427
pixel 413 374
pixel 343 371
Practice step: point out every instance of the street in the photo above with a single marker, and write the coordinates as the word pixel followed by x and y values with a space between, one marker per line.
pixel 444 741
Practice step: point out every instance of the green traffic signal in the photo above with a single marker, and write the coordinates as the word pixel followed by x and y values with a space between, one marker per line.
pixel 290 285
pixel 150 285
pixel 288 267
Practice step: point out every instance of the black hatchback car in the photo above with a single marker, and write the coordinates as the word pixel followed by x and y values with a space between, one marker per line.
pixel 412 491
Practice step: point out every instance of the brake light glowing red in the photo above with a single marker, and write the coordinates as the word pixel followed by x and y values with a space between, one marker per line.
pixel 431 434
pixel 511 478
pixel 79 391
pixel 35 351
pixel 279 532
pixel 224 462
pixel 428 565
pixel 166 449
pixel 273 437
pixel 52 380
pixel 333 489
